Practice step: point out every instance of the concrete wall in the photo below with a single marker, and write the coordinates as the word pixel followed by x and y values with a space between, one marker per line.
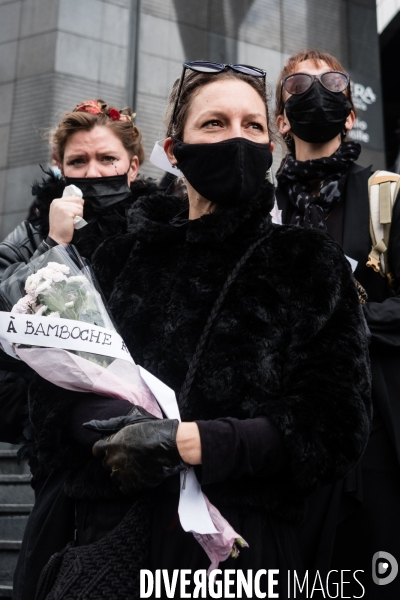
pixel 259 32
pixel 56 53
pixel 172 31
pixel 386 11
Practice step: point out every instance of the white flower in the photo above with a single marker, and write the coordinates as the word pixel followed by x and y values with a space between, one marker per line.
pixel 69 304
pixel 53 272
pixel 52 275
pixel 23 306
pixel 42 287
pixel 58 267
pixel 31 284
pixel 56 277
pixel 56 271
pixel 39 310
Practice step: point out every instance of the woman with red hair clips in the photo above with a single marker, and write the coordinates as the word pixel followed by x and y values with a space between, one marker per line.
pixel 97 148
pixel 320 186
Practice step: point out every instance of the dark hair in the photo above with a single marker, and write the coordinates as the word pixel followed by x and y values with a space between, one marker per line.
pixel 124 129
pixel 192 83
pixel 290 66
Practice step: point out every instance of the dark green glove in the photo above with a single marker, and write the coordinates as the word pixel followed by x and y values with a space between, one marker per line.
pixel 141 455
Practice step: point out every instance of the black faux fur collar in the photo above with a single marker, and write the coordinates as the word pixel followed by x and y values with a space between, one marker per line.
pixel 52 187
pixel 108 221
pixel 149 219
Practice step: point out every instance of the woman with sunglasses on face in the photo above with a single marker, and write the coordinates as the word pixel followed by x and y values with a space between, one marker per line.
pixel 267 362
pixel 320 186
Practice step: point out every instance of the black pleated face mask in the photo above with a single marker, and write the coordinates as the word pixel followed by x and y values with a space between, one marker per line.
pixel 102 191
pixel 224 172
pixel 317 115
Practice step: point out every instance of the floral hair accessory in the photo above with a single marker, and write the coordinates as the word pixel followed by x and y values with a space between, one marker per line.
pixel 114 114
pixel 128 118
pixel 90 106
pixel 95 107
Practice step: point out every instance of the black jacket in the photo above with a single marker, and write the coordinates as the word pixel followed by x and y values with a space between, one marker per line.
pixel 26 243
pixel 288 341
pixel 382 311
pixel 365 517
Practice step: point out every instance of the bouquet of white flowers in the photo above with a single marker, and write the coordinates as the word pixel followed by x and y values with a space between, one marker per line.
pixel 58 323
pixel 53 292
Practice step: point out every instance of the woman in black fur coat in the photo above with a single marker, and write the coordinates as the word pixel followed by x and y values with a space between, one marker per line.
pixel 279 403
pixel 93 141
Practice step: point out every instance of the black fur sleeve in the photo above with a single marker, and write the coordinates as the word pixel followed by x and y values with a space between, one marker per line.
pixel 109 260
pixel 324 411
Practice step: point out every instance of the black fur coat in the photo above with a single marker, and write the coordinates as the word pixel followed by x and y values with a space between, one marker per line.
pixel 288 341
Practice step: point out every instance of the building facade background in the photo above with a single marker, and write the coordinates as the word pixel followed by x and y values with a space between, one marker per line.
pixel 388 13
pixel 56 53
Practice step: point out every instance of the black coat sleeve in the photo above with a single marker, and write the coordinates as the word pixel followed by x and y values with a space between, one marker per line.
pixel 14 381
pixel 21 246
pixel 383 318
pixel 232 448
pixel 57 416
pixel 324 410
pixel 110 259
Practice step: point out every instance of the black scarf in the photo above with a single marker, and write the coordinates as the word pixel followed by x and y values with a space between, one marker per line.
pixel 295 177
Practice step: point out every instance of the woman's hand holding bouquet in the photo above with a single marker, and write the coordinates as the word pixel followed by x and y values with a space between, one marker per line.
pixel 57 322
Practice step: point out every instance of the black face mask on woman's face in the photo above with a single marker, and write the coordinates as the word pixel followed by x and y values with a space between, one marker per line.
pixel 317 115
pixel 102 191
pixel 224 172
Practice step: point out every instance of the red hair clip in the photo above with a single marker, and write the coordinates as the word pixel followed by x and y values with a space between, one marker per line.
pixel 96 108
pixel 114 114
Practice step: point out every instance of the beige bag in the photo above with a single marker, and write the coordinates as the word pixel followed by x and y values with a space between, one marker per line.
pixel 383 188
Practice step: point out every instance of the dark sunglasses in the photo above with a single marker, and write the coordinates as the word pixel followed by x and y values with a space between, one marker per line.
pixel 298 83
pixel 203 66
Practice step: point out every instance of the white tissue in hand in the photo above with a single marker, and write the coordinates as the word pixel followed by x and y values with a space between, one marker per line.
pixel 72 190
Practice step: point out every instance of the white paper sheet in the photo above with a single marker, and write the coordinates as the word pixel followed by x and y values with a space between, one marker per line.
pixel 353 263
pixel 160 159
pixel 52 332
pixel 193 511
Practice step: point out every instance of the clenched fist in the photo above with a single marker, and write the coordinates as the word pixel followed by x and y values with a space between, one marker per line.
pixel 61 218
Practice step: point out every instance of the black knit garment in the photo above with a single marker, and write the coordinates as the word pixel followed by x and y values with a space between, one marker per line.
pixel 109 568
pixel 295 176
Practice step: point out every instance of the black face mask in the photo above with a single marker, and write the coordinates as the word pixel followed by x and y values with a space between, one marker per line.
pixel 224 172
pixel 318 115
pixel 102 191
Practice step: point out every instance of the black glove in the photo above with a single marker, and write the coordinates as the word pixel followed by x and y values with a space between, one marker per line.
pixel 141 455
pixel 135 415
